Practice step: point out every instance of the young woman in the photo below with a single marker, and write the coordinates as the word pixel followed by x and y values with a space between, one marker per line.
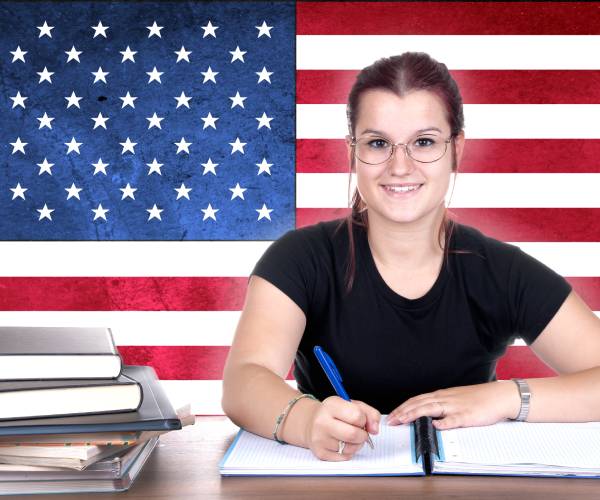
pixel 413 308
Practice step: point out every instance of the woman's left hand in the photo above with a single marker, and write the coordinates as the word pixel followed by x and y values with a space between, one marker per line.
pixel 466 406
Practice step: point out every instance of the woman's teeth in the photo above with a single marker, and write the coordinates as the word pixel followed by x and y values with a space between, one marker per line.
pixel 402 189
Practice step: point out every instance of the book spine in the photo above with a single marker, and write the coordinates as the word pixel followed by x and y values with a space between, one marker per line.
pixel 426 443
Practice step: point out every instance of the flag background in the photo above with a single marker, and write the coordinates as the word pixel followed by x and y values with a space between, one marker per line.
pixel 530 176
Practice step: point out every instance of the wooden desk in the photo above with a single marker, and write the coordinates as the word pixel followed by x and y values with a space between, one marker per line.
pixel 184 466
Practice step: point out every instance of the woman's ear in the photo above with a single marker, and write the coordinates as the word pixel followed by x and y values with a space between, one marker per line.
pixel 349 155
pixel 459 146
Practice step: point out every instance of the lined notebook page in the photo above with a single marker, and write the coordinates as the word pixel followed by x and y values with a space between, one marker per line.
pixel 566 445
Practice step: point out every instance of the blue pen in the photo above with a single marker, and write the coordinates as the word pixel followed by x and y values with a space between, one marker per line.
pixel 334 377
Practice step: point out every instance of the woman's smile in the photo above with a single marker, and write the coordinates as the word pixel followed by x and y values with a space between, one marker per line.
pixel 401 190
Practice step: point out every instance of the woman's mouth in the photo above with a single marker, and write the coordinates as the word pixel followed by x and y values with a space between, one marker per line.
pixel 401 190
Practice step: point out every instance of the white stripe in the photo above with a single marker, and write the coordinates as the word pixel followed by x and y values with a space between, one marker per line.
pixel 482 121
pixel 456 51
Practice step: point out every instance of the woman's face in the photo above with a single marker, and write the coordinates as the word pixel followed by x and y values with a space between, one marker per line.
pixel 401 189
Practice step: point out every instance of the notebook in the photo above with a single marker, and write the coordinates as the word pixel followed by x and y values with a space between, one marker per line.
pixel 506 448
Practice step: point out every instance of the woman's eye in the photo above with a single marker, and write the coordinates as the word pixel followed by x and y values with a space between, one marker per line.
pixel 378 144
pixel 424 142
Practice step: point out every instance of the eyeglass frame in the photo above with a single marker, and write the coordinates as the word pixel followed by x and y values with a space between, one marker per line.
pixel 354 140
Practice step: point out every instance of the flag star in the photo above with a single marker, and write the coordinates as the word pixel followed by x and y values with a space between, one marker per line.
pixel 154 30
pixel 45 121
pixel 264 121
pixel 183 192
pixel 182 54
pixel 154 121
pixel 45 212
pixel 209 121
pixel 264 166
pixel 100 29
pixel 237 191
pixel 100 121
pixel 209 29
pixel 128 146
pixel 237 146
pixel 237 54
pixel 73 54
pixel 237 100
pixel 263 29
pixel 45 166
pixel 154 167
pixel 154 75
pixel 100 166
pixel 209 166
pixel 209 212
pixel 18 191
pixel 18 55
pixel 209 74
pixel 183 100
pixel 73 145
pixel 128 192
pixel 45 75
pixel 128 100
pixel 18 146
pixel 73 100
pixel 264 212
pixel 264 75
pixel 182 145
pixel 128 55
pixel 100 213
pixel 18 100
pixel 154 212
pixel 73 192
pixel 45 30
pixel 100 75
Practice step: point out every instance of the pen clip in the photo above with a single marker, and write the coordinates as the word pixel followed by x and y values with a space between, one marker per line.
pixel 332 366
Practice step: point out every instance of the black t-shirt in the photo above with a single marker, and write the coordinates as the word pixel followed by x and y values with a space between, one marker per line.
pixel 389 348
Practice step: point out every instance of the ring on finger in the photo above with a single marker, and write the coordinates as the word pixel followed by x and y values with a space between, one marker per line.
pixel 341 446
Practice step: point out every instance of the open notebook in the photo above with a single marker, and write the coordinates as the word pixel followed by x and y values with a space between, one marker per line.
pixel 506 448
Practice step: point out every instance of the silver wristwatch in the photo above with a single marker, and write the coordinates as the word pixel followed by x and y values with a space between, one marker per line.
pixel 525 394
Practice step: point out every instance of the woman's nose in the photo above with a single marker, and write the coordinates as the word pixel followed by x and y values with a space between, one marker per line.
pixel 400 163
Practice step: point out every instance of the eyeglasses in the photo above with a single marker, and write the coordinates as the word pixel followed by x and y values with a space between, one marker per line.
pixel 422 148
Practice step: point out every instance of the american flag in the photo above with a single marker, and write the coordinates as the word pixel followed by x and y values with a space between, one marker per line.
pixel 529 78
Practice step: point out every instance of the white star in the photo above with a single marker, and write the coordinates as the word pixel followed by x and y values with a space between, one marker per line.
pixel 100 166
pixel 264 121
pixel 45 166
pixel 264 75
pixel 100 30
pixel 73 146
pixel 209 74
pixel 154 212
pixel 183 192
pixel 264 212
pixel 128 192
pixel 237 54
pixel 128 100
pixel 18 191
pixel 45 75
pixel 18 55
pixel 154 75
pixel 18 146
pixel 45 212
pixel 100 75
pixel 209 166
pixel 209 29
pixel 128 146
pixel 264 30
pixel 45 121
pixel 73 54
pixel 209 212
pixel 45 30
pixel 128 55
pixel 209 121
pixel 237 100
pixel 237 191
pixel 73 192
pixel 18 100
pixel 182 146
pixel 100 213
pixel 154 121
pixel 154 167
pixel 100 121
pixel 183 100
pixel 154 30
pixel 182 54
pixel 73 100
pixel 237 146
pixel 264 166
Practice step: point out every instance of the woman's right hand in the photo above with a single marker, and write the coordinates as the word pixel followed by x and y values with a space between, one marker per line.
pixel 336 420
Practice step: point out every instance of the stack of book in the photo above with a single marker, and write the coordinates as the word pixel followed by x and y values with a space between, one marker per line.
pixel 73 418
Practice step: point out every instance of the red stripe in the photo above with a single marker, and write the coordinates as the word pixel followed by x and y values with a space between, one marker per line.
pixel 521 362
pixel 448 18
pixel 480 156
pixel 476 86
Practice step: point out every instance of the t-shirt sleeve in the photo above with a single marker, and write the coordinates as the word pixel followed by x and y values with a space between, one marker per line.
pixel 536 292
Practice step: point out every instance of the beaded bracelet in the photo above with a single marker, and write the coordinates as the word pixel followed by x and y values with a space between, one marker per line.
pixel 285 412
